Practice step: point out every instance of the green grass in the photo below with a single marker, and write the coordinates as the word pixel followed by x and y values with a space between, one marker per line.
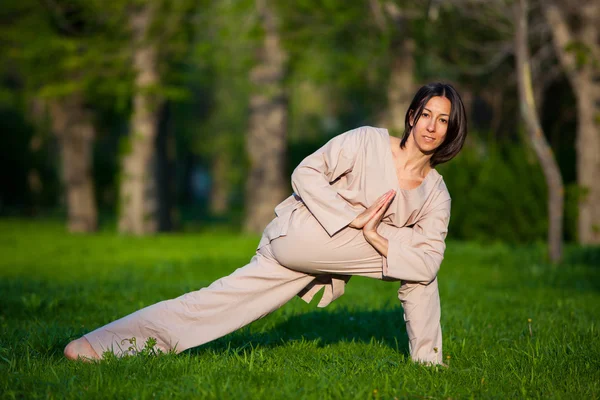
pixel 55 287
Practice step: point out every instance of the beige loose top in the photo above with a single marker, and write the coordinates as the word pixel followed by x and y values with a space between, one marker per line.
pixel 348 174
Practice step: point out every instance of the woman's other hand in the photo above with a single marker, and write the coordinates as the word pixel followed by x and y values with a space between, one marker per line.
pixel 371 225
pixel 369 229
pixel 374 212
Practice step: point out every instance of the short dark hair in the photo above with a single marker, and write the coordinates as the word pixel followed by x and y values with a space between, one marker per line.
pixel 457 122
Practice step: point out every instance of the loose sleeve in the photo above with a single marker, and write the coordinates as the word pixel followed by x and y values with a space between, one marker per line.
pixel 421 304
pixel 313 177
pixel 415 258
pixel 419 260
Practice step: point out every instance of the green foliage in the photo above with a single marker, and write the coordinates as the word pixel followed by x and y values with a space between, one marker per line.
pixel 514 326
pixel 339 64
pixel 85 47
pixel 212 122
pixel 573 195
pixel 581 52
pixel 28 172
pixel 459 44
pixel 130 345
pixel 332 42
pixel 498 194
pixel 66 47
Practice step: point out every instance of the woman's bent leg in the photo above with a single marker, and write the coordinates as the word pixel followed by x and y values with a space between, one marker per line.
pixel 195 318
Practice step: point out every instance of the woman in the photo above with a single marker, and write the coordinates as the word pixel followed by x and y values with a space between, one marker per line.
pixel 364 204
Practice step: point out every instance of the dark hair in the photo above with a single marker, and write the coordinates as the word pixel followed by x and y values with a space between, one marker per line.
pixel 457 122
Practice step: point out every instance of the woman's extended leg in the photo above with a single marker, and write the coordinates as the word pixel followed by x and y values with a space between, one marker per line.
pixel 198 317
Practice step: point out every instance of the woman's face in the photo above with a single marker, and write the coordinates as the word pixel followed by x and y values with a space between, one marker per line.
pixel 430 130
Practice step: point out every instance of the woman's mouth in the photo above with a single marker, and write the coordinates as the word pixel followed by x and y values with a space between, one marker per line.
pixel 429 139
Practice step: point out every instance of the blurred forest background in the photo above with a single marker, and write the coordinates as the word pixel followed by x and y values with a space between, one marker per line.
pixel 141 116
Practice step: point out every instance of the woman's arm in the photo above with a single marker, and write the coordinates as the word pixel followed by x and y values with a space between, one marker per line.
pixel 422 313
pixel 420 259
pixel 416 261
pixel 312 179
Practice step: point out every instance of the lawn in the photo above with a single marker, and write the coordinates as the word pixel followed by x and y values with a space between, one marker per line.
pixel 514 325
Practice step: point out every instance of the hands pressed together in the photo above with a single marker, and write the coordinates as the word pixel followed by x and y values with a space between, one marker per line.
pixel 370 219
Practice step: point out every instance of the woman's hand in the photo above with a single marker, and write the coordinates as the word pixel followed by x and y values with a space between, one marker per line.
pixel 370 227
pixel 376 209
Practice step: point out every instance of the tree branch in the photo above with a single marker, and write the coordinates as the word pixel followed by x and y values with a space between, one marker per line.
pixel 562 37
pixel 378 16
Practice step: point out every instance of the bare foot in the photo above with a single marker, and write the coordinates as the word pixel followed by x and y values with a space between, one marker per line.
pixel 82 350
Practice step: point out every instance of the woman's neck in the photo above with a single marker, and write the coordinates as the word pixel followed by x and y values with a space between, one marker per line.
pixel 412 160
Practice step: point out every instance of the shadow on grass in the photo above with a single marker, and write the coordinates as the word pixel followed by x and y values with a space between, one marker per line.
pixel 47 315
pixel 385 327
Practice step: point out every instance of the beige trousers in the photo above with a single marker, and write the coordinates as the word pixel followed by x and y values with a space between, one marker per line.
pixel 278 272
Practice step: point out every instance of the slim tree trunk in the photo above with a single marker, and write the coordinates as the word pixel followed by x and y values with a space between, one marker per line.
pixel 588 163
pixel 401 85
pixel 536 135
pixel 165 171
pixel 579 55
pixel 38 111
pixel 75 131
pixel 220 184
pixel 138 202
pixel 266 142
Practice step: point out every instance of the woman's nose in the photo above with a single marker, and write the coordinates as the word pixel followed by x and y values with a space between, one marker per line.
pixel 431 125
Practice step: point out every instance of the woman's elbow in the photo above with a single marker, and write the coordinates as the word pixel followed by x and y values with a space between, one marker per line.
pixel 296 178
pixel 433 265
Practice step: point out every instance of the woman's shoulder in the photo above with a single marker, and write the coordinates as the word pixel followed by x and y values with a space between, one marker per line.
pixel 366 137
pixel 441 190
pixel 366 131
pixel 370 135
pixel 374 132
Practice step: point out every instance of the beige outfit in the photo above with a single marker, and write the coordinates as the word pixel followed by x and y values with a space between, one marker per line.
pixel 309 246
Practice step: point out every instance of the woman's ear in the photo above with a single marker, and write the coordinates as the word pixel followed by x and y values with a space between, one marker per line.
pixel 411 117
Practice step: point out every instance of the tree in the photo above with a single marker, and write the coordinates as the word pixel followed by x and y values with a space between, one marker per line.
pixel 138 197
pixel 223 66
pixel 155 36
pixel 512 34
pixel 74 128
pixel 267 183
pixel 401 85
pixel 536 135
pixel 575 36
pixel 56 52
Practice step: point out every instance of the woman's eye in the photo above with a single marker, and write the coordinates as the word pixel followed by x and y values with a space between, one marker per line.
pixel 425 115
pixel 444 121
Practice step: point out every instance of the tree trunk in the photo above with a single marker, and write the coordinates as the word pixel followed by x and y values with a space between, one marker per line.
pixel 220 183
pixel 138 203
pixel 536 135
pixel 401 86
pixel 266 143
pixel 165 171
pixel 588 164
pixel 75 131
pixel 579 55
